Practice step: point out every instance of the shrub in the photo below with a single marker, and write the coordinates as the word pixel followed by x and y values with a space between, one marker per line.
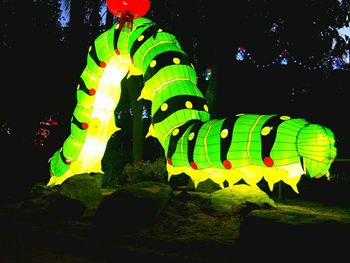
pixel 146 171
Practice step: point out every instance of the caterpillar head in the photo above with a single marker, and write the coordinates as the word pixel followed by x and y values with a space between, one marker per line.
pixel 316 145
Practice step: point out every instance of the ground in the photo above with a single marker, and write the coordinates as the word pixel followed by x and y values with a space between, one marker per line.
pixel 185 232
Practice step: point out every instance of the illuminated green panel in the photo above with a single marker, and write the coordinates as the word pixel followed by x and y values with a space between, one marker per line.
pixel 314 144
pixel 213 142
pixel 246 143
pixel 162 43
pixel 57 167
pixel 104 45
pixel 285 149
pixel 139 26
pixel 179 158
pixel 72 147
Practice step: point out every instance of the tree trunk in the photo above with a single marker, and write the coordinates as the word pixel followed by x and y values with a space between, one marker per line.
pixel 134 86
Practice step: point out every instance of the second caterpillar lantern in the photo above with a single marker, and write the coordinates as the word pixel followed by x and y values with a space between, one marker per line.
pixel 244 146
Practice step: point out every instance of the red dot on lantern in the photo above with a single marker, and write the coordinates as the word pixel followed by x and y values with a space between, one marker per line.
pixel 92 91
pixel 194 165
pixel 170 161
pixel 84 125
pixel 227 164
pixel 268 161
pixel 68 161
pixel 102 64
pixel 117 51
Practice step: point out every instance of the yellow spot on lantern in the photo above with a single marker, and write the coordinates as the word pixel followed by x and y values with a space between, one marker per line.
pixel 176 61
pixel 284 117
pixel 224 133
pixel 188 105
pixel 160 30
pixel 206 107
pixel 117 26
pixel 265 131
pixel 164 107
pixel 140 38
pixel 191 136
pixel 153 63
pixel 175 132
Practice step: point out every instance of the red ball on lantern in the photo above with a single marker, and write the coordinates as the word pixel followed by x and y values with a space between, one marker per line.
pixel 136 8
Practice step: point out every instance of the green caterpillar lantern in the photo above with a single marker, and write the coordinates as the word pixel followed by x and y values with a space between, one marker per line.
pixel 245 146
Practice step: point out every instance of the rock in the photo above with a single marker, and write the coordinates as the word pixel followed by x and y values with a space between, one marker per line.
pixel 236 197
pixel 132 207
pixel 82 187
pixel 51 206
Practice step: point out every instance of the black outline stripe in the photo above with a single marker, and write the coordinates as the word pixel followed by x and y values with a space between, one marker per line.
pixel 225 143
pixel 115 38
pixel 149 32
pixel 268 140
pixel 83 87
pixel 174 139
pixel 77 123
pixel 63 158
pixel 192 143
pixel 166 59
pixel 178 103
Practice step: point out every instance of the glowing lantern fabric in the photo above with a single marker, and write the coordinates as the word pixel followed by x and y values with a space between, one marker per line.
pixel 251 147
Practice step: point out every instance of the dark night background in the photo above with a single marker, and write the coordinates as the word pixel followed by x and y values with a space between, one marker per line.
pixel 42 59
pixel 42 62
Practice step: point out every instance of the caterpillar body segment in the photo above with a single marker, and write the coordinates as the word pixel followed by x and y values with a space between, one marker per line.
pixel 93 121
pixel 251 147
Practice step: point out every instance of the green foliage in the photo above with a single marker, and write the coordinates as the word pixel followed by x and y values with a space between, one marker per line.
pixel 146 171
pixel 117 154
pixel 112 173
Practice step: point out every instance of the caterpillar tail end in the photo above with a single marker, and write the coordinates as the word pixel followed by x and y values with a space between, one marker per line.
pixel 316 144
pixel 61 170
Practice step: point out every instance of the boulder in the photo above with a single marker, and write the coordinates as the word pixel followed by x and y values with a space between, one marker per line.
pixel 132 207
pixel 82 187
pixel 237 197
